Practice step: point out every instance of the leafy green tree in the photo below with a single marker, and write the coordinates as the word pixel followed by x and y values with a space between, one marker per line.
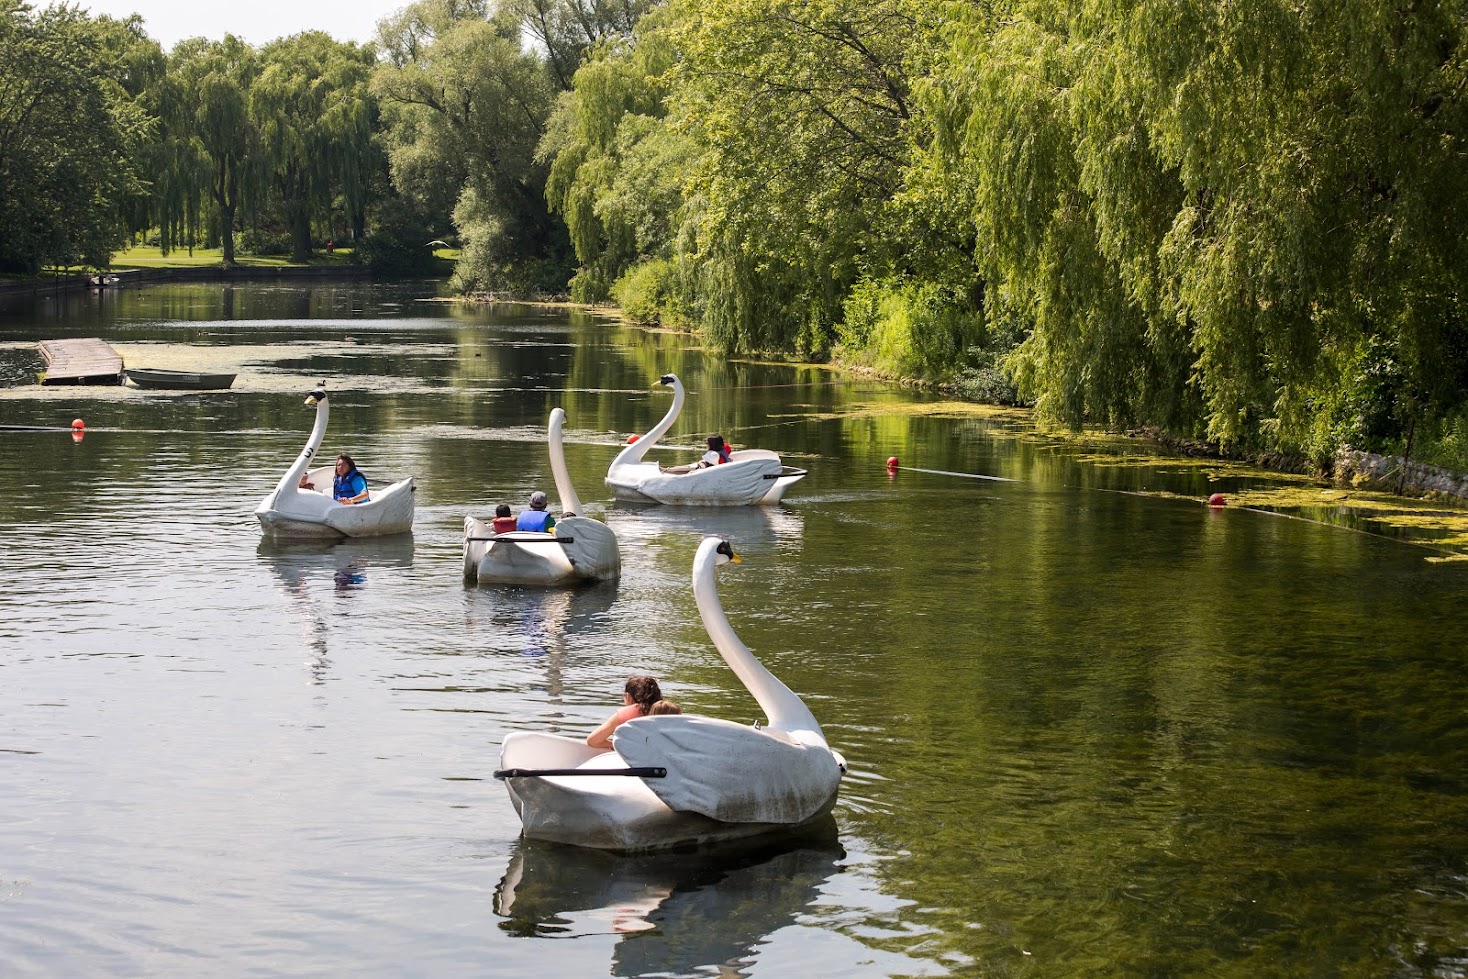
pixel 466 103
pixel 1224 218
pixel 462 98
pixel 567 29
pixel 178 168
pixel 314 116
pixel 69 131
pixel 617 163
pixel 802 113
pixel 215 80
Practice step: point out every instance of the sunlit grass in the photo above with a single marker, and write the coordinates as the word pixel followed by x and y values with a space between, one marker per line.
pixel 152 257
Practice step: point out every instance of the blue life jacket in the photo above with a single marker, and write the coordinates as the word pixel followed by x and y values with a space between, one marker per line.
pixel 533 520
pixel 348 486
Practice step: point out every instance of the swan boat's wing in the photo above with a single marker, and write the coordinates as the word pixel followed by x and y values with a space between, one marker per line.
pixel 388 511
pixel 730 772
pixel 732 484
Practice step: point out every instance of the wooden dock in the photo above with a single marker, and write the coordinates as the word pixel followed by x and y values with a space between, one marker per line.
pixel 80 362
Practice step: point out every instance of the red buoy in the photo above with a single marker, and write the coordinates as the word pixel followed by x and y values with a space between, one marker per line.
pixel 892 462
pixel 78 423
pixel 1216 499
pixel 632 438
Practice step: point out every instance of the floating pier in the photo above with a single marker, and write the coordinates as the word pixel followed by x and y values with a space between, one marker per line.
pixel 88 361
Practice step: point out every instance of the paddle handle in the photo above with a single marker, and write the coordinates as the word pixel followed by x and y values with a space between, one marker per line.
pixel 505 773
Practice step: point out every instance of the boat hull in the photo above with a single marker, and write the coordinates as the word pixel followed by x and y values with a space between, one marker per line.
pixel 606 812
pixel 308 514
pixel 581 549
pixel 162 380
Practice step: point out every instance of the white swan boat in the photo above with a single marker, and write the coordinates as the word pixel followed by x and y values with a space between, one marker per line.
pixel 291 511
pixel 680 779
pixel 750 476
pixel 581 549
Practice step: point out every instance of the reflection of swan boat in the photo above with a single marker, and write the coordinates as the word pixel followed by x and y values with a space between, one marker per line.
pixel 543 622
pixel 580 549
pixel 680 779
pixel 750 475
pixel 637 524
pixel 292 511
pixel 684 913
pixel 293 559
pixel 301 564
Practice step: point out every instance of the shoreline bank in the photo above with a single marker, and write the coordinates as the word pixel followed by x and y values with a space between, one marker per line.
pixel 123 278
pixel 1351 468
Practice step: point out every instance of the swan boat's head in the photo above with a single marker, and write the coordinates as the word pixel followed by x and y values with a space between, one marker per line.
pixel 668 380
pixel 724 553
pixel 316 397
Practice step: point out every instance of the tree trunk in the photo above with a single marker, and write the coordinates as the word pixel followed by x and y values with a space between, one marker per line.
pixel 226 194
pixel 1407 454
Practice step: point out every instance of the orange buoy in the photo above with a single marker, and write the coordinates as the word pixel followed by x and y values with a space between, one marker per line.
pixel 632 438
pixel 77 423
pixel 1216 499
pixel 892 462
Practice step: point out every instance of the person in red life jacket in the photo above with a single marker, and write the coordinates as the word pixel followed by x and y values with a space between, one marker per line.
pixel 503 522
pixel 638 696
pixel 536 518
pixel 718 452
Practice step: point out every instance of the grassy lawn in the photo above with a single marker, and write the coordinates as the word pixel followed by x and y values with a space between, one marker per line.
pixel 149 257
pixel 146 257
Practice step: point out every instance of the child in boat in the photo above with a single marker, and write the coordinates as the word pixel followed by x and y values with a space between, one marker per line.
pixel 717 455
pixel 503 522
pixel 664 707
pixel 718 452
pixel 536 518
pixel 638 697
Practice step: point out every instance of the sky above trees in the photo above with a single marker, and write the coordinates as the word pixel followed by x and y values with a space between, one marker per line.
pixel 256 22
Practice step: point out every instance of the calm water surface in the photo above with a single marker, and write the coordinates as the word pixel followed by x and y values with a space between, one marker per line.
pixel 1091 732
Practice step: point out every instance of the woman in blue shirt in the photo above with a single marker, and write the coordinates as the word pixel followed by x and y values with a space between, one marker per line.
pixel 349 486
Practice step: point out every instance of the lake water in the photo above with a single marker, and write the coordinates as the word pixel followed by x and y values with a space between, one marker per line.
pixel 1091 730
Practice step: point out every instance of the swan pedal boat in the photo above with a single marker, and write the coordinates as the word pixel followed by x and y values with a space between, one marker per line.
pixel 750 476
pixel 579 549
pixel 676 780
pixel 293 512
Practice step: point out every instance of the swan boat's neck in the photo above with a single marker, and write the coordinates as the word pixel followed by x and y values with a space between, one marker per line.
pixel 570 502
pixel 288 482
pixel 632 454
pixel 783 709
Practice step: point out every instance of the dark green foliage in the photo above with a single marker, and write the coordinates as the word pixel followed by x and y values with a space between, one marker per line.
pixel 69 131
pixel 398 245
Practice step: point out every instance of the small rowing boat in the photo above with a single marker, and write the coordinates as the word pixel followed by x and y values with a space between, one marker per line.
pixel 178 380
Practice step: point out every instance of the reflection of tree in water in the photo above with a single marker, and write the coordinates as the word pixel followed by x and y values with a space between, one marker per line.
pixel 542 621
pixel 297 564
pixel 639 524
pixel 679 913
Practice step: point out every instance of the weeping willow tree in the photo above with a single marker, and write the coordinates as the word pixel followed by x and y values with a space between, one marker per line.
pixel 314 114
pixel 1239 220
pixel 801 113
pixel 617 165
